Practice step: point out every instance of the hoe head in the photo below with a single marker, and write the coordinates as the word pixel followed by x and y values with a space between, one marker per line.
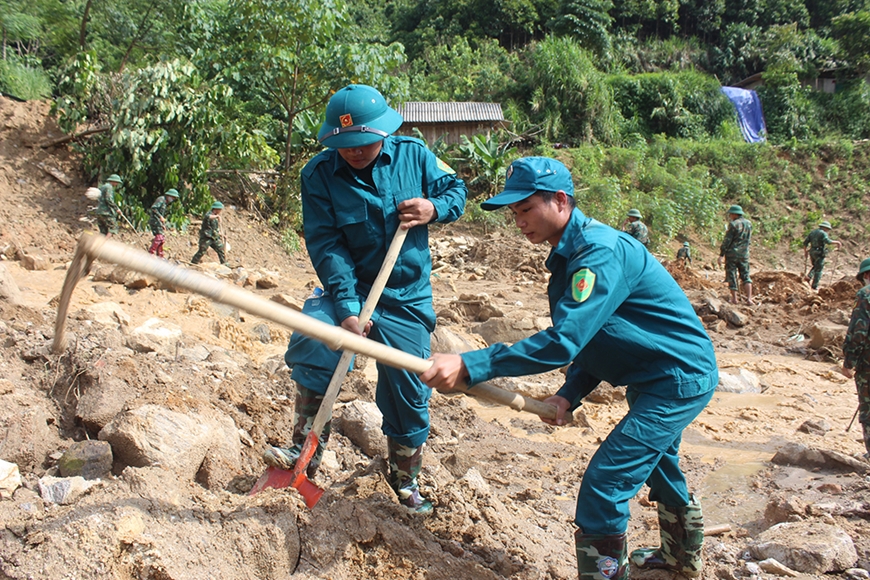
pixel 280 478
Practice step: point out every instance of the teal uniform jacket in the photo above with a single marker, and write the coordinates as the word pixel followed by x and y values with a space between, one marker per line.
pixel 636 327
pixel 349 224
pixel 349 219
pixel 618 316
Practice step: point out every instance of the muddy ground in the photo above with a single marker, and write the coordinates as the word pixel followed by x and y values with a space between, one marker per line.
pixel 503 482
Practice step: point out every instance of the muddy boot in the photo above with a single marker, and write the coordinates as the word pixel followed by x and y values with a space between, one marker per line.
pixel 405 466
pixel 682 536
pixel 307 405
pixel 601 556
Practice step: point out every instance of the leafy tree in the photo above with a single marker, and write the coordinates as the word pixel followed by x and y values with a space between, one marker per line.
pixel 293 59
pixel 587 20
pixel 488 160
pixel 853 32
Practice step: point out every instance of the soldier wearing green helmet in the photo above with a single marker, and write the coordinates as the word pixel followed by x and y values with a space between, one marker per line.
pixel 157 221
pixel 816 247
pixel 107 210
pixel 734 251
pixel 356 194
pixel 856 351
pixel 684 255
pixel 634 227
pixel 211 234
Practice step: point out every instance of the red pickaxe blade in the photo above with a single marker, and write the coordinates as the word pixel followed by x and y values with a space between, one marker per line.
pixel 280 478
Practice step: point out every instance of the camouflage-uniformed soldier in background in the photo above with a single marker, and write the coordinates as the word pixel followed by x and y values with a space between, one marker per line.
pixel 634 227
pixel 856 351
pixel 816 246
pixel 735 252
pixel 107 210
pixel 158 219
pixel 684 255
pixel 210 234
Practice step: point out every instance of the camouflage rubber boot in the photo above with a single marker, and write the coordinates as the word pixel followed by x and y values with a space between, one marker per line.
pixel 601 556
pixel 682 536
pixel 305 409
pixel 405 466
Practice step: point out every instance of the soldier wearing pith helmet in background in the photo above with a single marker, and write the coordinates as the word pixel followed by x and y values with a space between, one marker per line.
pixel 107 210
pixel 684 255
pixel 816 247
pixel 856 351
pixel 210 234
pixel 634 226
pixel 734 251
pixel 157 221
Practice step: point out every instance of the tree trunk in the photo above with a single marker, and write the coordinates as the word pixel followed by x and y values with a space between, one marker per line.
pixel 83 31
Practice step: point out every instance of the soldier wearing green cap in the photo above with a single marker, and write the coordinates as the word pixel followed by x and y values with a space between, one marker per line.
pixel 816 247
pixel 210 234
pixel 684 255
pixel 618 316
pixel 735 253
pixel 856 351
pixel 634 226
pixel 157 221
pixel 107 210
pixel 355 195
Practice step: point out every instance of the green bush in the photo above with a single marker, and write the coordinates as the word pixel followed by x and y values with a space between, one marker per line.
pixel 24 82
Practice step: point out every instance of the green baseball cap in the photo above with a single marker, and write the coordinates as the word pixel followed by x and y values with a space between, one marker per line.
pixel 356 116
pixel 635 213
pixel 217 205
pixel 865 267
pixel 115 177
pixel 171 193
pixel 735 209
pixel 825 224
pixel 527 175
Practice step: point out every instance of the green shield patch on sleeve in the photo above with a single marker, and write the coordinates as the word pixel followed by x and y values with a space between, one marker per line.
pixel 445 168
pixel 582 284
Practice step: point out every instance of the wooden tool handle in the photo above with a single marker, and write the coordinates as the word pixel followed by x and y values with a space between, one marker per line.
pixel 93 246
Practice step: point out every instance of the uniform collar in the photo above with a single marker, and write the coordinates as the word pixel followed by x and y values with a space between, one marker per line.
pixel 567 245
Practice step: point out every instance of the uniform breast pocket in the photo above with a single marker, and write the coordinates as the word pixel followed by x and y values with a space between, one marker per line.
pixel 356 226
pixel 407 193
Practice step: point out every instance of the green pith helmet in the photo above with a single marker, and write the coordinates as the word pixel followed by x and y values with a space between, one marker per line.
pixel 686 244
pixel 217 205
pixel 172 193
pixel 735 209
pixel 116 178
pixel 865 267
pixel 825 224
pixel 634 213
pixel 357 116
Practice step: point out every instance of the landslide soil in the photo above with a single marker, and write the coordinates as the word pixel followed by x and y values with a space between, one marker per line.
pixel 503 482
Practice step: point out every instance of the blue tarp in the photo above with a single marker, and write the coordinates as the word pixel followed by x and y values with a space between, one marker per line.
pixel 749 114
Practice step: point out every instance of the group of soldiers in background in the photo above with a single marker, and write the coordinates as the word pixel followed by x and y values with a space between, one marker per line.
pixel 210 232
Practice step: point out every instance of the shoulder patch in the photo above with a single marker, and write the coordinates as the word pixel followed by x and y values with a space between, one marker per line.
pixel 445 168
pixel 582 284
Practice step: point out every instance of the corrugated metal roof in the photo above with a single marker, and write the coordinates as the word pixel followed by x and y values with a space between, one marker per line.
pixel 430 112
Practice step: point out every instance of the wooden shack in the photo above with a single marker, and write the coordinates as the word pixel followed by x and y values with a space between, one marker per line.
pixel 450 120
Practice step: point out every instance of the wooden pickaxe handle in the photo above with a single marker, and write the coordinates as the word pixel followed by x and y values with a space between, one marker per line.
pixel 93 246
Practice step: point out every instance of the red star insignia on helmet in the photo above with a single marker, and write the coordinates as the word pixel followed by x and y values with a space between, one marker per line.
pixel 346 120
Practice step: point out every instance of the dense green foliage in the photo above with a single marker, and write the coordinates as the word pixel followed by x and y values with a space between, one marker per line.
pixel 164 91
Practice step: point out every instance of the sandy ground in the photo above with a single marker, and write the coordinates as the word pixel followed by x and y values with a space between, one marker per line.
pixel 504 483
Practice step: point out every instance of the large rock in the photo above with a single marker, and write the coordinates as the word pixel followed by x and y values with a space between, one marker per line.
pixel 809 458
pixel 64 490
pixel 178 442
pixel 8 288
pixel 155 335
pixel 453 342
pixel 361 423
pixel 105 313
pixel 808 547
pixel 827 335
pixel 26 438
pixel 10 479
pixel 742 382
pixel 100 403
pixel 88 459
pixel 497 330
